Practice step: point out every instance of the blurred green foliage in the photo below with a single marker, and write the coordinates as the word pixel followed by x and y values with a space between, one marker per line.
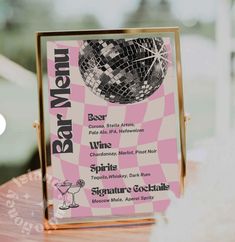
pixel 20 19
pixel 159 13
pixel 19 22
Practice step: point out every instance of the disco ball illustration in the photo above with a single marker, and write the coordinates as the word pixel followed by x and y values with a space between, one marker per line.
pixel 123 71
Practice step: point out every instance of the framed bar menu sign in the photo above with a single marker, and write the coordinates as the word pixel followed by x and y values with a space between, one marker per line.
pixel 111 110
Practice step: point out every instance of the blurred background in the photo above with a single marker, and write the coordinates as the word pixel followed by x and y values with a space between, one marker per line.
pixel 208 57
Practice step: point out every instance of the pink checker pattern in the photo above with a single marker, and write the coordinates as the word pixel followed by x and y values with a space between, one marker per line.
pixel 69 167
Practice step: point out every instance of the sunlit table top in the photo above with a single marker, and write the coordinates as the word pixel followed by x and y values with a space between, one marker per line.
pixel 21 216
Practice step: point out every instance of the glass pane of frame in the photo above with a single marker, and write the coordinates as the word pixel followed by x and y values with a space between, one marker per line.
pixel 112 124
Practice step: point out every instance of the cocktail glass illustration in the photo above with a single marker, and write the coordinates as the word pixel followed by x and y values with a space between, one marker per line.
pixel 75 189
pixel 63 188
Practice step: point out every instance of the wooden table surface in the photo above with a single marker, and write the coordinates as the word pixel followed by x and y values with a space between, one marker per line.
pixel 21 217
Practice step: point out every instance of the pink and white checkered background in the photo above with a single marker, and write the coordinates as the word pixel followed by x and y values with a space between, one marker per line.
pixel 156 115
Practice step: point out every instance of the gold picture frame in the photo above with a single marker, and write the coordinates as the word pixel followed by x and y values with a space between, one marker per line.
pixel 40 125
